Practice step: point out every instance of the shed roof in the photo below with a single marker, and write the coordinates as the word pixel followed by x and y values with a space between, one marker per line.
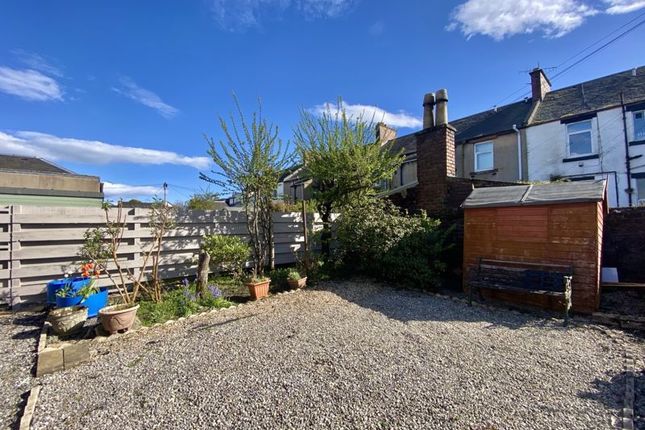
pixel 539 194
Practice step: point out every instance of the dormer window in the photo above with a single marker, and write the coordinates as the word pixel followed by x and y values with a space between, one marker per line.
pixel 579 138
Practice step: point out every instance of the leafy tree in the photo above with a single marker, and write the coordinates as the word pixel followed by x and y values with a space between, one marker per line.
pixel 204 201
pixel 250 160
pixel 344 160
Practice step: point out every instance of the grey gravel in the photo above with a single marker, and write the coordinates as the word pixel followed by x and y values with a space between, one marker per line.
pixel 18 342
pixel 347 355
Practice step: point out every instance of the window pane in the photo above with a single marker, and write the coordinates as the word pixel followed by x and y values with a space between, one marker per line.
pixel 579 126
pixel 484 161
pixel 640 188
pixel 580 144
pixel 639 125
pixel 483 147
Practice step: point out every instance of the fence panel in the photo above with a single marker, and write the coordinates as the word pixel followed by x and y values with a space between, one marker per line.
pixel 38 244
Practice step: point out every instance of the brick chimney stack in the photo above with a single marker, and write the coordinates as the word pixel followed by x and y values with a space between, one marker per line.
pixel 384 133
pixel 540 84
pixel 435 158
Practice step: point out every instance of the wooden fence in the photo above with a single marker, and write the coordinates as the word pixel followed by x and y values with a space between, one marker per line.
pixel 38 244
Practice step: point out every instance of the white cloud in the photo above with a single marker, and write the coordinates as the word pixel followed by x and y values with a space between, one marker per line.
pixel 29 85
pixel 56 148
pixel 114 190
pixel 240 15
pixel 130 89
pixel 624 6
pixel 371 113
pixel 38 62
pixel 502 18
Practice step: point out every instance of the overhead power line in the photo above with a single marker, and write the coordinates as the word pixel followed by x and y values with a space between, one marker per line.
pixel 600 48
pixel 621 35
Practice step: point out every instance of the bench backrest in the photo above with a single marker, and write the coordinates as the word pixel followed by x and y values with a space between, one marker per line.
pixel 529 276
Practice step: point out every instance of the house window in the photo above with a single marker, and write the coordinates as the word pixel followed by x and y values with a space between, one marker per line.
pixel 483 156
pixel 579 138
pixel 640 189
pixel 639 125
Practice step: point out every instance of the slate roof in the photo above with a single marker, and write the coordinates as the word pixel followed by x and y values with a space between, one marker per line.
pixel 493 121
pixel 19 163
pixel 482 124
pixel 538 194
pixel 591 96
pixel 407 143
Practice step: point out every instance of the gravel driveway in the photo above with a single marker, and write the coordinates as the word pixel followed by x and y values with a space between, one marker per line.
pixel 18 341
pixel 347 355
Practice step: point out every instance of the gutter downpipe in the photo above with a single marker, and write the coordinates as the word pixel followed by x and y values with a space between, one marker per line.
pixel 519 152
pixel 627 157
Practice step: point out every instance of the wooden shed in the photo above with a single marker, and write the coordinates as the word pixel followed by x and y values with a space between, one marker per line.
pixel 545 225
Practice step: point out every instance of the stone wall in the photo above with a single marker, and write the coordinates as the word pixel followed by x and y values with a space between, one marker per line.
pixel 624 243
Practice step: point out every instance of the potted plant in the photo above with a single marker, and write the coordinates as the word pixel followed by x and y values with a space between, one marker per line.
pixel 295 280
pixel 68 320
pixel 102 245
pixel 73 292
pixel 83 291
pixel 258 287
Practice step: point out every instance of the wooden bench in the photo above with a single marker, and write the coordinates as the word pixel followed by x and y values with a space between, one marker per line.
pixel 533 278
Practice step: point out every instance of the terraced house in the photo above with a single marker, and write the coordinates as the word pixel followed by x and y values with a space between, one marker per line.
pixel 591 130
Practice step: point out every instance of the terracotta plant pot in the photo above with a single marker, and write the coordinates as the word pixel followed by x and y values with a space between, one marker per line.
pixel 118 318
pixel 259 290
pixel 66 321
pixel 300 283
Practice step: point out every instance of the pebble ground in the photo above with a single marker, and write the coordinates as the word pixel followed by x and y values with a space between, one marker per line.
pixel 348 355
pixel 18 342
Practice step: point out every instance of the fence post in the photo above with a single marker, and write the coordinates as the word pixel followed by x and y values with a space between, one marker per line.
pixel 14 263
pixel 136 234
pixel 306 244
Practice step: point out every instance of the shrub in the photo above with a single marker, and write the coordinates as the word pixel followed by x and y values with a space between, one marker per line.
pixel 205 201
pixel 376 239
pixel 227 252
pixel 279 277
pixel 294 275
pixel 180 302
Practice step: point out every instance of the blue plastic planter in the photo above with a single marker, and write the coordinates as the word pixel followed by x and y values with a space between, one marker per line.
pixel 76 284
pixel 96 302
pixel 53 287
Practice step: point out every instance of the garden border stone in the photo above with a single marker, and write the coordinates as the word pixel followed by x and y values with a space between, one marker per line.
pixel 30 407
pixel 66 355
pixel 628 406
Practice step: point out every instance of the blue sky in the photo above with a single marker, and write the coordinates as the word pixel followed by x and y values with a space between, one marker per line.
pixel 126 90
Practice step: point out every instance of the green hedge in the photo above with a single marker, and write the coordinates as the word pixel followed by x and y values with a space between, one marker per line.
pixel 376 239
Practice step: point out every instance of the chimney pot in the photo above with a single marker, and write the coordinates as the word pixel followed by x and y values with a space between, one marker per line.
pixel 428 110
pixel 442 107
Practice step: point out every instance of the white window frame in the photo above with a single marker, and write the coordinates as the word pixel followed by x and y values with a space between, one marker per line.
pixel 492 153
pixel 634 123
pixel 640 182
pixel 591 134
